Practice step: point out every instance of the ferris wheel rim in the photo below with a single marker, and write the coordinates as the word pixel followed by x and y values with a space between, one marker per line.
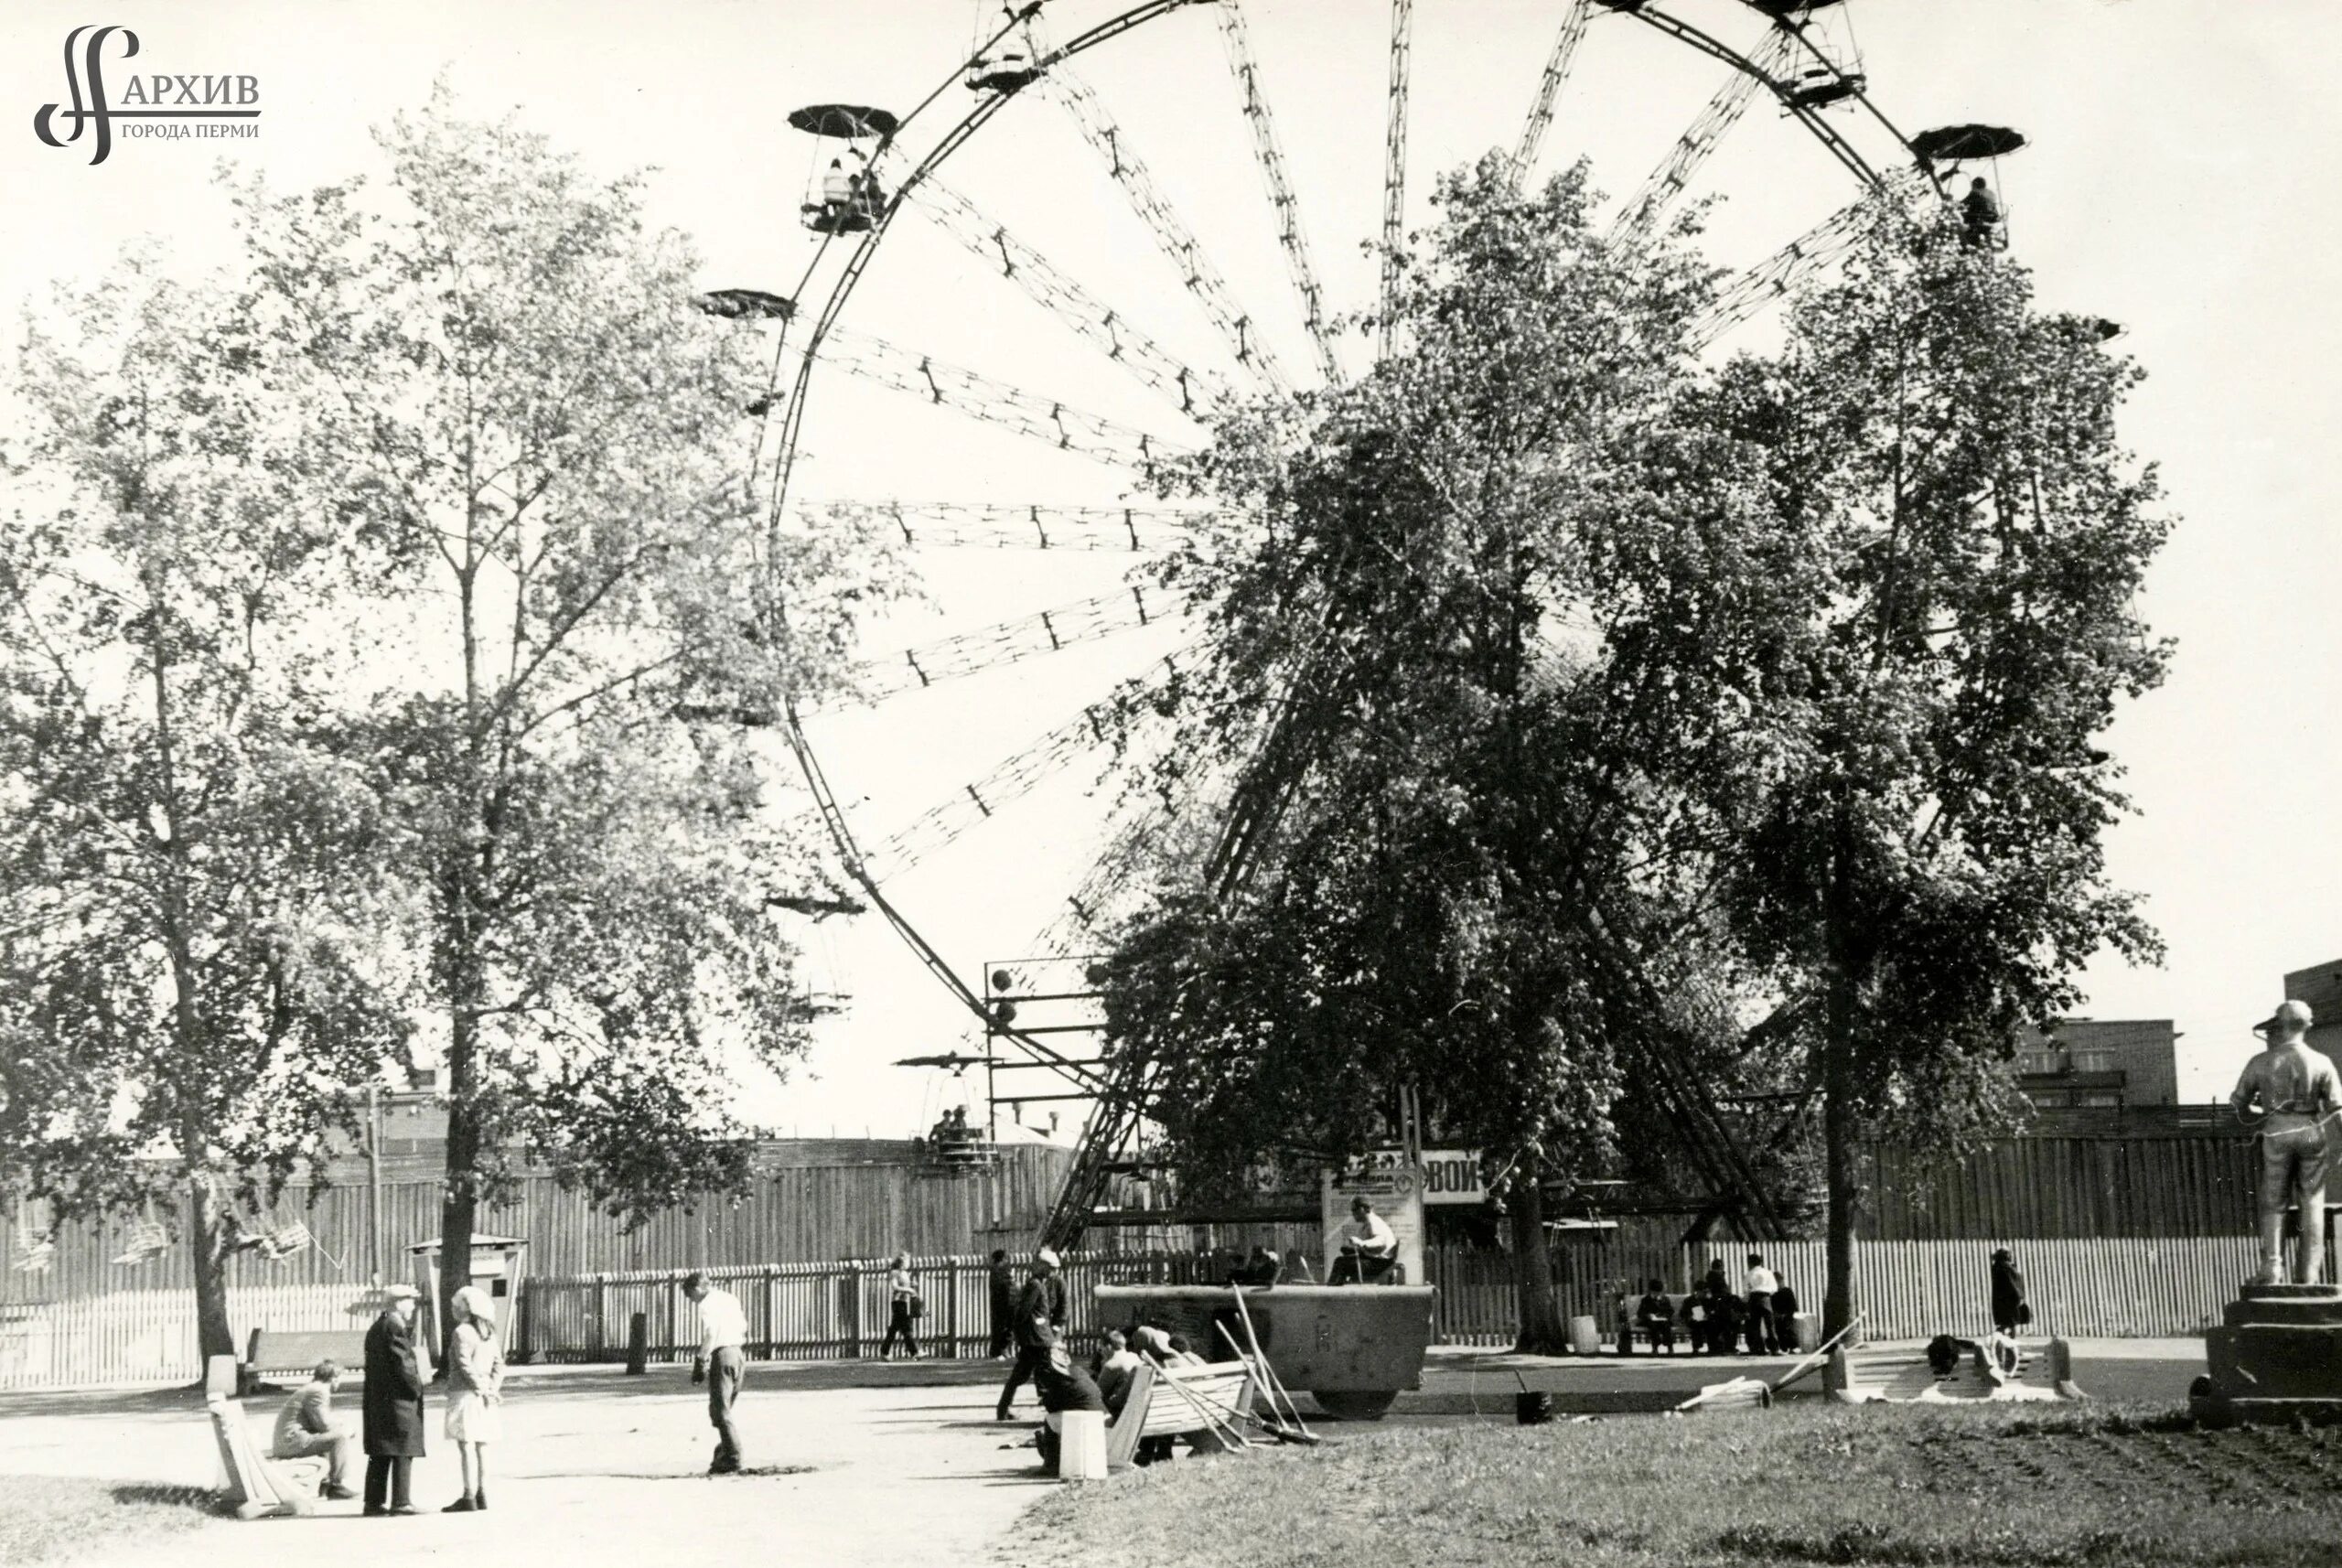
pixel 990 104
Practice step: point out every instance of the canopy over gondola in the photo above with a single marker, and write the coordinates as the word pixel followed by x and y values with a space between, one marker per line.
pixel 746 304
pixel 847 120
pixel 1959 143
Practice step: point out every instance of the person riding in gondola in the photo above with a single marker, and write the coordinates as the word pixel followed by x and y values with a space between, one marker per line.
pixel 1979 216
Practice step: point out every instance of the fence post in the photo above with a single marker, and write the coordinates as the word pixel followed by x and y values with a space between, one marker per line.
pixel 764 1351
pixel 850 1310
pixel 675 1318
pixel 601 1310
pixel 952 1306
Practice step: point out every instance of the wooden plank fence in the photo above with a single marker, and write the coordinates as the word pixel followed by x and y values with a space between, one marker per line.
pixel 2117 1287
pixel 148 1335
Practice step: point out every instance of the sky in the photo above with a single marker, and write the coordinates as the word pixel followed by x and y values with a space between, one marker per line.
pixel 2178 181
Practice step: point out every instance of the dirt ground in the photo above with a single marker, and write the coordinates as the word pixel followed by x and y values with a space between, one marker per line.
pixel 600 1468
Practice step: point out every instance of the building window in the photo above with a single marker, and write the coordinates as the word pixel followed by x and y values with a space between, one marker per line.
pixel 2100 1100
pixel 2093 1061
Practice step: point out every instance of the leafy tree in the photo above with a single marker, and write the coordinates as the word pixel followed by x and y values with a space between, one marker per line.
pixel 545 441
pixel 192 966
pixel 1450 616
pixel 1925 863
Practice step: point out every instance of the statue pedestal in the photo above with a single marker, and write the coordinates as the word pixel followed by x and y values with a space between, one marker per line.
pixel 2277 1355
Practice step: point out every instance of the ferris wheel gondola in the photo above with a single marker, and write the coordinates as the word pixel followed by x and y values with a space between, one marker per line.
pixel 1820 84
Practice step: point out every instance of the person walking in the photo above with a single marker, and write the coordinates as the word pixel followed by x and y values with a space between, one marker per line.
pixel 1038 1319
pixel 2009 1309
pixel 1003 1302
pixel 475 1393
pixel 722 1348
pixel 392 1406
pixel 305 1427
pixel 1758 1285
pixel 902 1297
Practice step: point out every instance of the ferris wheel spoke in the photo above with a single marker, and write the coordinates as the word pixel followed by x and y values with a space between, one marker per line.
pixel 1531 141
pixel 1675 171
pixel 1199 274
pixel 938 525
pixel 1780 274
pixel 995 645
pixel 1098 897
pixel 979 397
pixel 1394 169
pixel 1101 324
pixel 1013 777
pixel 1270 155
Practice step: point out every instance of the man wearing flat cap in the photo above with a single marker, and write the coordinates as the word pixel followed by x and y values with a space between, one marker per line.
pixel 2296 1092
pixel 393 1405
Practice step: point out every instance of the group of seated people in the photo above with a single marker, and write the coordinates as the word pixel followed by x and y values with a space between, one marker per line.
pixel 1715 1319
pixel 855 192
pixel 953 1140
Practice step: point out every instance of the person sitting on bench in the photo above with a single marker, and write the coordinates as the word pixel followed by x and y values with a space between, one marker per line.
pixel 1366 1248
pixel 1655 1316
pixel 306 1426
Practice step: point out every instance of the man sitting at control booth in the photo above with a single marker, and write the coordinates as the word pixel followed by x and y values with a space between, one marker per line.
pixel 1366 1248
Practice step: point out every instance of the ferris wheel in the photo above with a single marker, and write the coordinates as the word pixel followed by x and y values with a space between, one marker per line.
pixel 1104 245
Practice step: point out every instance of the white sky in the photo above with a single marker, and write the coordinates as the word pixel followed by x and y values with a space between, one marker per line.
pixel 2179 183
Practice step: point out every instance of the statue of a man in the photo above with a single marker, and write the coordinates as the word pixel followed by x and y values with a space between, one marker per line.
pixel 2294 1091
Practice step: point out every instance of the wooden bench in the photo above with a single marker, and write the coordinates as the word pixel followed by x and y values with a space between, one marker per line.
pixel 277 1352
pixel 1901 1372
pixel 1156 1409
pixel 256 1488
pixel 1631 1332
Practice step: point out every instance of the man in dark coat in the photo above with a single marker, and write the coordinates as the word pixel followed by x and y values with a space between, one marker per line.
pixel 1040 1323
pixel 1003 1302
pixel 393 1405
pixel 2009 1310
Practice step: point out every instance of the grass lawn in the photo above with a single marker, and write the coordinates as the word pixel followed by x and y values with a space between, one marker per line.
pixel 2006 1487
pixel 45 1518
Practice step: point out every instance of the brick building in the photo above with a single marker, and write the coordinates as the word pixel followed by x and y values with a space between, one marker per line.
pixel 2091 1064
pixel 2320 985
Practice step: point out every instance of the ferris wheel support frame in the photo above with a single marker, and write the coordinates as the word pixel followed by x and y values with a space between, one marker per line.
pixel 1120 1104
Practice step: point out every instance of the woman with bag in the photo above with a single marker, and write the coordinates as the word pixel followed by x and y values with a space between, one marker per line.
pixel 2010 1310
pixel 904 1297
pixel 475 1393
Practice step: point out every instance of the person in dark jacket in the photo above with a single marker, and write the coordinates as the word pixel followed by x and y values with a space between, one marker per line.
pixel 393 1406
pixel 1785 1310
pixel 1040 1323
pixel 2009 1308
pixel 1003 1302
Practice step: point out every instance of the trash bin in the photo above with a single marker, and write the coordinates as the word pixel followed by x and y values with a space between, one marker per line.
pixel 1805 1333
pixel 1584 1339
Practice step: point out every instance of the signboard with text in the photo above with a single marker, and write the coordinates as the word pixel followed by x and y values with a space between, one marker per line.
pixel 1397 1193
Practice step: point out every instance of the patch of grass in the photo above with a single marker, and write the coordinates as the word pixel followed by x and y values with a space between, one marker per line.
pixel 47 1518
pixel 1913 1486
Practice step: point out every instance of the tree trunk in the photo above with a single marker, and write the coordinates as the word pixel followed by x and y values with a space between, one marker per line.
pixel 1838 1117
pixel 207 1217
pixel 460 1204
pixel 1532 1261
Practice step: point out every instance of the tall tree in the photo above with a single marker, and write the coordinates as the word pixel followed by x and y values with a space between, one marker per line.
pixel 547 440
pixel 1451 610
pixel 192 964
pixel 1925 861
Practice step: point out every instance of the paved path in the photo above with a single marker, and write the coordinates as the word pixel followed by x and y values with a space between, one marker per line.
pixel 598 1468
